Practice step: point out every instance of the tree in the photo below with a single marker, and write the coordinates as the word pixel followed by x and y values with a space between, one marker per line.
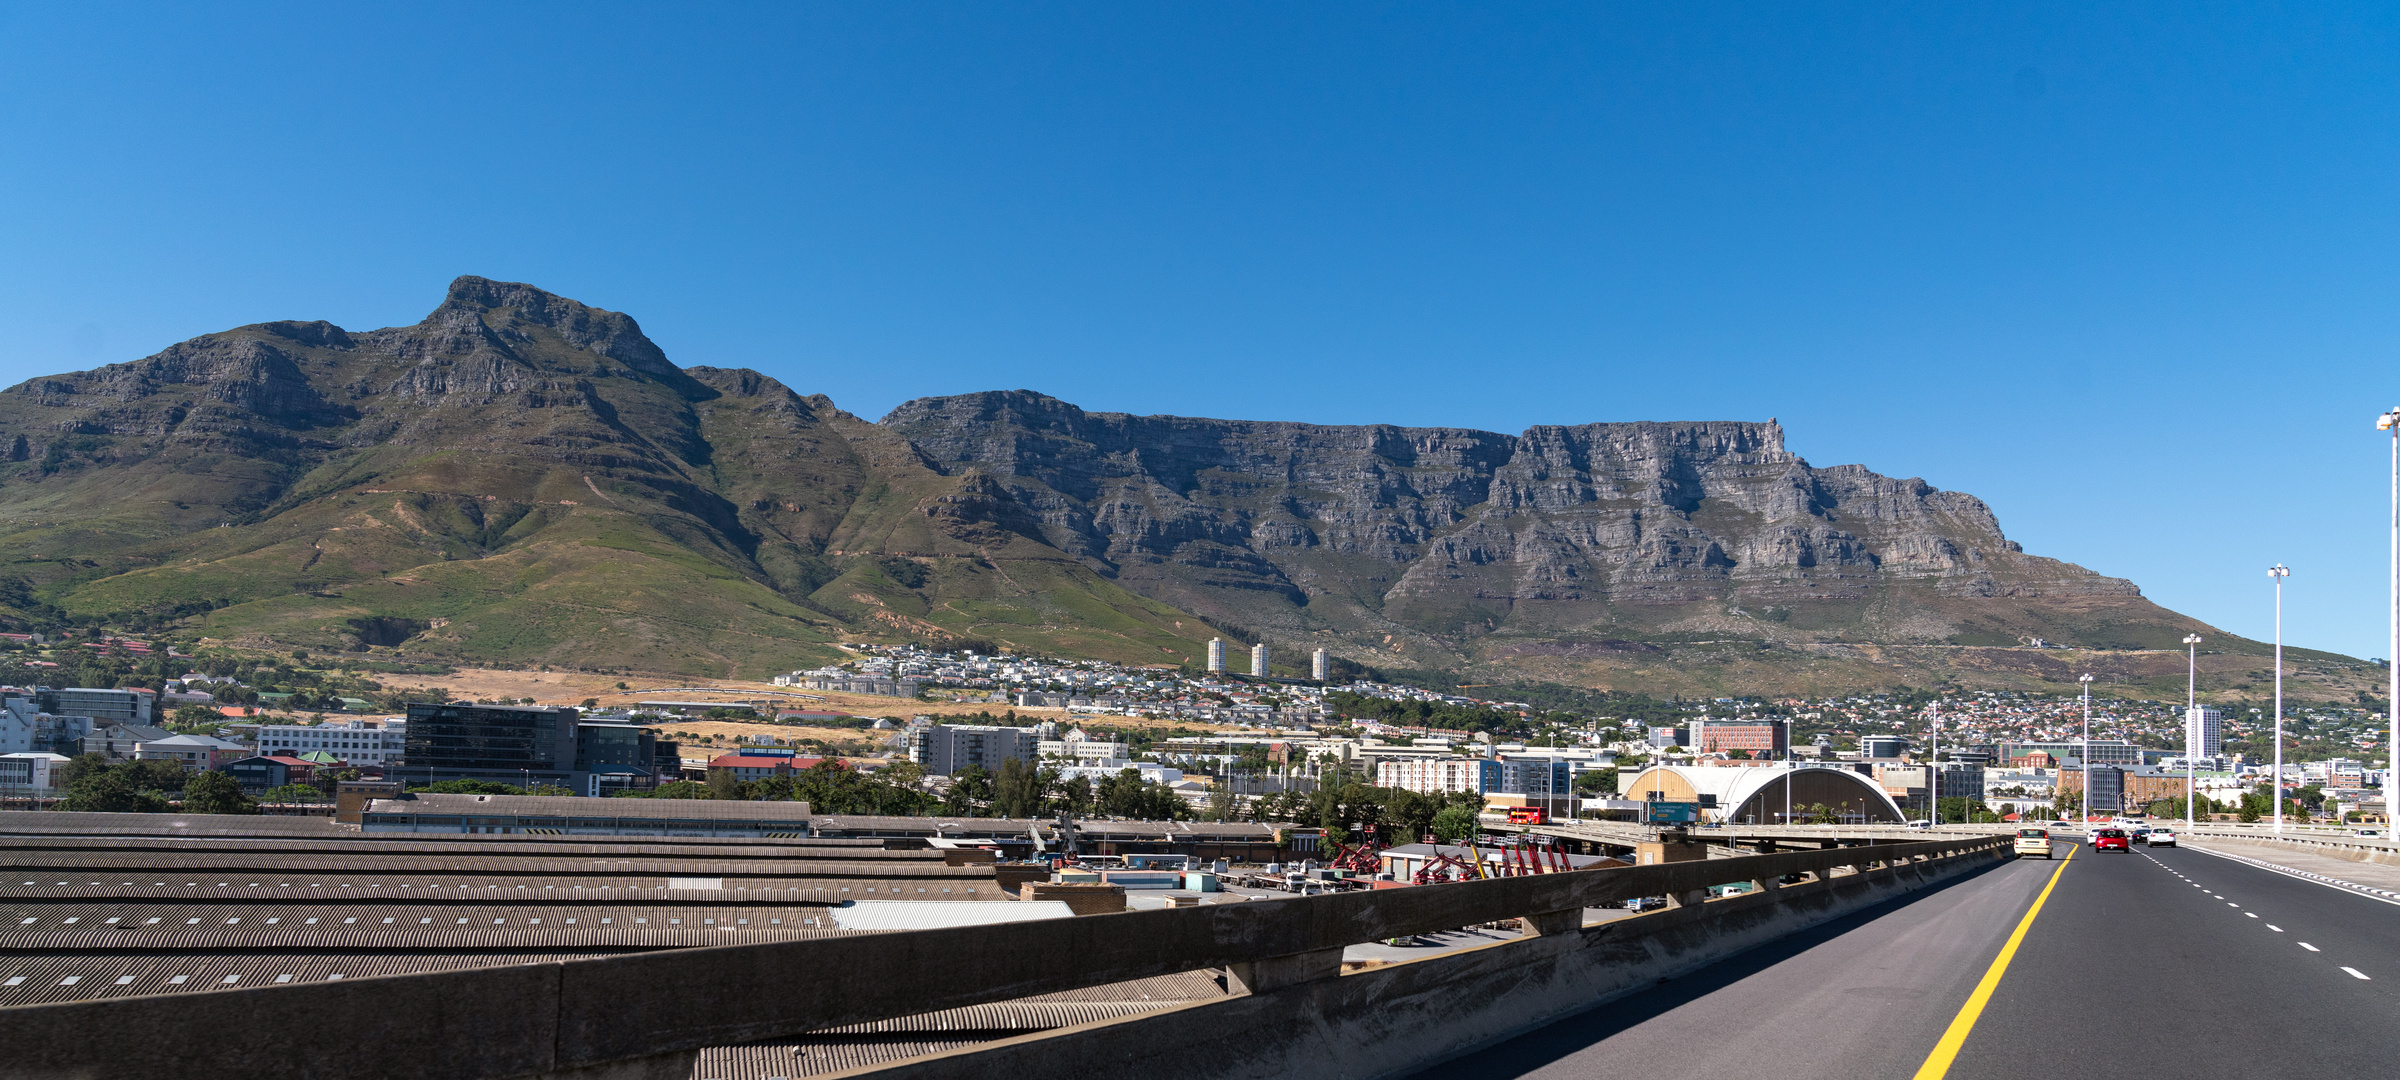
pixel 722 784
pixel 292 793
pixel 327 780
pixel 1453 825
pixel 1020 789
pixel 216 793
pixel 1595 782
pixel 1075 796
pixel 470 787
pixel 1223 804
pixel 109 790
pixel 970 791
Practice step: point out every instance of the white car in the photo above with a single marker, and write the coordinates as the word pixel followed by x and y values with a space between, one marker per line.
pixel 2162 838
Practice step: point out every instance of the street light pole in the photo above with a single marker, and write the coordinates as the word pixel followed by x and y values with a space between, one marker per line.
pixel 2390 421
pixel 2279 572
pixel 2191 721
pixel 1933 768
pixel 2086 811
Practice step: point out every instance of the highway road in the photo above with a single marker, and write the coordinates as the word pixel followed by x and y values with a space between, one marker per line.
pixel 2172 961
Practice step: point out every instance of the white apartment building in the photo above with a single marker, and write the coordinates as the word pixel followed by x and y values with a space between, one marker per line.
pixel 1437 775
pixel 359 742
pixel 1084 749
pixel 2204 731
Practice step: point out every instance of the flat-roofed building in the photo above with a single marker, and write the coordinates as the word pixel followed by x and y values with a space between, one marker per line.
pixel 1758 738
pixel 367 743
pixel 434 812
pixel 947 749
pixel 509 744
pixel 103 706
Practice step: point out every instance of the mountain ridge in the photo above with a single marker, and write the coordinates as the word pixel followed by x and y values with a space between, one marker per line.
pixel 523 478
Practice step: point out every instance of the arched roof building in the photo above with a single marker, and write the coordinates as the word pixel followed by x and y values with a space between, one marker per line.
pixel 1755 795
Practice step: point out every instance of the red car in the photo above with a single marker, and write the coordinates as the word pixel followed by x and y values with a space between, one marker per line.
pixel 2112 840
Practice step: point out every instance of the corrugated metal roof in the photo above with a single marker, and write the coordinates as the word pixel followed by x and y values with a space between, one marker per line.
pixel 568 806
pixel 34 863
pixel 931 915
pixel 537 845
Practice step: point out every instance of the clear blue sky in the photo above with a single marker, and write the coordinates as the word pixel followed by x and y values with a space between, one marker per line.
pixel 2126 273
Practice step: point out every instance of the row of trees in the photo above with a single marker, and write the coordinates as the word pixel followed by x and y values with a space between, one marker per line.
pixel 96 784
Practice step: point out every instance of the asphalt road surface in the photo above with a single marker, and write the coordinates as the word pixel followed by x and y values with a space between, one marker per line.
pixel 2175 961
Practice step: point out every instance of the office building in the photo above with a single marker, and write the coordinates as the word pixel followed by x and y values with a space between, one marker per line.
pixel 36 773
pixel 2103 751
pixel 103 706
pixel 612 756
pixel 1216 656
pixel 1882 747
pixel 508 744
pixel 1663 737
pixel 2204 730
pixel 268 772
pixel 25 728
pixel 1759 738
pixel 1318 662
pixel 362 743
pixel 1960 779
pixel 947 749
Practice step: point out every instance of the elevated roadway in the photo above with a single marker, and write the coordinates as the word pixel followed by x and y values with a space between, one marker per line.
pixel 2175 961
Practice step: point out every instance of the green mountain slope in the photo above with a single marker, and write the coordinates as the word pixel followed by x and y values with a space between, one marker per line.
pixel 518 479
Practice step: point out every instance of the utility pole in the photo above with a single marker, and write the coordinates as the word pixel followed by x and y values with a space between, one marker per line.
pixel 2278 572
pixel 2191 721
pixel 2389 421
pixel 2086 811
pixel 1933 766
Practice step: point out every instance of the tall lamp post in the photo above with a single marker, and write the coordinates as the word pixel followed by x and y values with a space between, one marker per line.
pixel 2086 680
pixel 2390 422
pixel 2191 720
pixel 2278 572
pixel 1933 768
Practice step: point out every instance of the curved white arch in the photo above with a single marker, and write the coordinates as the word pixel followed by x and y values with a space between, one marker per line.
pixel 1755 794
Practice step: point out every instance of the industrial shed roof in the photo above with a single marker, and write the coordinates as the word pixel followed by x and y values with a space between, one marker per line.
pixel 569 806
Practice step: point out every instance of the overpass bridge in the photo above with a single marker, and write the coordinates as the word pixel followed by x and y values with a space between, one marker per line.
pixel 1616 837
pixel 1928 957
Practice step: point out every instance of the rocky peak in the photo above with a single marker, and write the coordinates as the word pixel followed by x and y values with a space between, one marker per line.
pixel 510 310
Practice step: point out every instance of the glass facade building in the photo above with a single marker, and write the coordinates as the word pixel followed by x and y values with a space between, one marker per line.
pixel 511 744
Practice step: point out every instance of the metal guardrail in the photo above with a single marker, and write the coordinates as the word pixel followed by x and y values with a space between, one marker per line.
pixel 2345 840
pixel 643 1014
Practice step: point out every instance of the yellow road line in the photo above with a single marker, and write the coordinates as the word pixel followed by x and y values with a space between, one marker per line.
pixel 1937 1064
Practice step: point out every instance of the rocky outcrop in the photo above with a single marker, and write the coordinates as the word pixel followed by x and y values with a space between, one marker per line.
pixel 1436 527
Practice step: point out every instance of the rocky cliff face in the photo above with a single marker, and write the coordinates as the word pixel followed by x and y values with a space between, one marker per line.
pixel 528 477
pixel 1454 533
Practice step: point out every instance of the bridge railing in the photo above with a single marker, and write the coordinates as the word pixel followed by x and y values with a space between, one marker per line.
pixel 644 1015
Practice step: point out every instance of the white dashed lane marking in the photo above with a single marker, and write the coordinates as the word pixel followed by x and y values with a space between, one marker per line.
pixel 2278 930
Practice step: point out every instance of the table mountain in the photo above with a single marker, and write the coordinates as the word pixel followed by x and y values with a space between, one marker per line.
pixel 522 478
